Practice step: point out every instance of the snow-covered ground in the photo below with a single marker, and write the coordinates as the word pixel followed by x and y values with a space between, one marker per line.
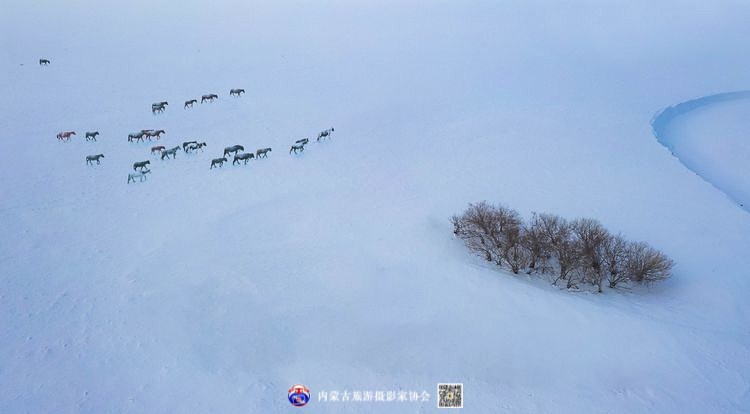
pixel 217 290
pixel 711 136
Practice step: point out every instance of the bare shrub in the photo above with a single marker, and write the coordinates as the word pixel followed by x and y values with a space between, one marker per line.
pixel 644 264
pixel 578 251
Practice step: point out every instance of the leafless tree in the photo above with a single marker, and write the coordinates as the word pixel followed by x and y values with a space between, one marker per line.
pixel 477 227
pixel 591 236
pixel 558 235
pixel 534 242
pixel 614 256
pixel 494 232
pixel 644 264
pixel 510 227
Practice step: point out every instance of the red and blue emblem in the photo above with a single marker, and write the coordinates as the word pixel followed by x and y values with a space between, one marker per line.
pixel 299 395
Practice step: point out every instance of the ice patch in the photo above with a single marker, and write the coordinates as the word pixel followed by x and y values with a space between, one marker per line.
pixel 711 137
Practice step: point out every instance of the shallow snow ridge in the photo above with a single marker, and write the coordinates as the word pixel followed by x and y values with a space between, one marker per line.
pixel 711 136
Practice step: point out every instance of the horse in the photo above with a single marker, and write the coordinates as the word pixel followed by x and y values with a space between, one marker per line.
pixel 198 146
pixel 233 149
pixel 157 133
pixel 297 147
pixel 262 153
pixel 91 158
pixel 325 134
pixel 187 143
pixel 141 165
pixel 189 104
pixel 141 175
pixel 236 92
pixel 136 136
pixel 209 98
pixel 158 148
pixel 171 151
pixel 218 161
pixel 157 109
pixel 91 135
pixel 65 136
pixel 158 104
pixel 43 62
pixel 243 157
pixel 302 141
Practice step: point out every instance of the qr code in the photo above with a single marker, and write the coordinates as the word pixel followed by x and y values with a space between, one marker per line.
pixel 450 395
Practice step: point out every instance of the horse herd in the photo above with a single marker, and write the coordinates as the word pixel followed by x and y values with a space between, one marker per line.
pixel 141 168
pixel 159 107
pixel 237 151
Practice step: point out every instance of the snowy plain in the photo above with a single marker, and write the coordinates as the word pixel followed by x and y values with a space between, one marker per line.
pixel 205 291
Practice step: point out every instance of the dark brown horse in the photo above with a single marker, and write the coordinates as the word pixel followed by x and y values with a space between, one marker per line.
pixel 136 136
pixel 233 149
pixel 141 164
pixel 218 161
pixel 243 157
pixel 91 158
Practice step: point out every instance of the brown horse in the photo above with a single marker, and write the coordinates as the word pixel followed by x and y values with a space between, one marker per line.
pixel 262 153
pixel 65 136
pixel 156 134
pixel 158 148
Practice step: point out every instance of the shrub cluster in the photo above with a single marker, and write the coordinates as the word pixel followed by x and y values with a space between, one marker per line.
pixel 575 252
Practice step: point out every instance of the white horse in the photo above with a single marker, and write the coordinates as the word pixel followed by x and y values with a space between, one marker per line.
pixel 140 175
